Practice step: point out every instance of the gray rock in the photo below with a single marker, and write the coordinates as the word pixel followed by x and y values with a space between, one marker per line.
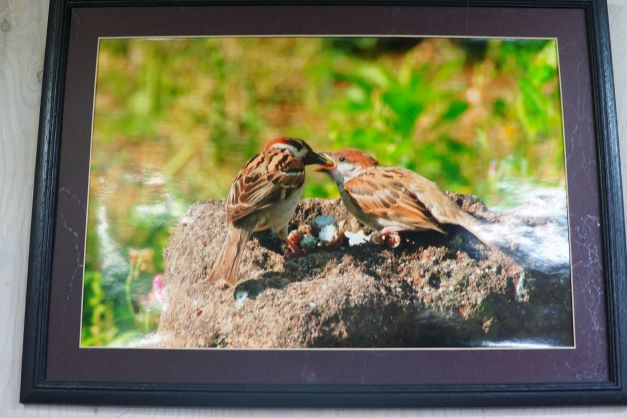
pixel 433 291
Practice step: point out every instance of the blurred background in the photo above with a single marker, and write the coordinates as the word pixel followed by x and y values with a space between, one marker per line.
pixel 175 120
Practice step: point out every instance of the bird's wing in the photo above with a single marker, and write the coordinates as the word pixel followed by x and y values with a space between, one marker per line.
pixel 442 208
pixel 384 192
pixel 264 180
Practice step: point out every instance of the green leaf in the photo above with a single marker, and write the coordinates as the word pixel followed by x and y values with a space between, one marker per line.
pixel 375 75
pixel 455 110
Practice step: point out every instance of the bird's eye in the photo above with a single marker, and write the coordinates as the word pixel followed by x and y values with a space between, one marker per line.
pixel 342 159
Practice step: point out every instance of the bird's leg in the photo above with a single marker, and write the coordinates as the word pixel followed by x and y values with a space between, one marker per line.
pixel 291 249
pixel 386 237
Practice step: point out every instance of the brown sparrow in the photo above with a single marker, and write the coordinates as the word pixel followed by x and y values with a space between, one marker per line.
pixel 263 196
pixel 392 199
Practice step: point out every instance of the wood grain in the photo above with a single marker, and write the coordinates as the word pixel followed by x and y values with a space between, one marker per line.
pixel 22 41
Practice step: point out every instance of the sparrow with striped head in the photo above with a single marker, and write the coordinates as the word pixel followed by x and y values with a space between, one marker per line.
pixel 392 199
pixel 263 196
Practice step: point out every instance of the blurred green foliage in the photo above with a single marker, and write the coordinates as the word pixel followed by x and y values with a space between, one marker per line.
pixel 175 120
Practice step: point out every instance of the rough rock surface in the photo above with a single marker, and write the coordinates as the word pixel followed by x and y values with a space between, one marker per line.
pixel 433 291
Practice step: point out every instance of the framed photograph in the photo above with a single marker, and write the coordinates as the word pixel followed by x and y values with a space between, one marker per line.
pixel 327 204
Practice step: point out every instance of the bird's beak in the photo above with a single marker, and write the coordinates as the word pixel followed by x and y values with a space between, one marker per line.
pixel 328 166
pixel 313 158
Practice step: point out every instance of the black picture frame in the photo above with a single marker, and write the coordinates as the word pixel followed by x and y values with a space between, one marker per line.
pixel 36 387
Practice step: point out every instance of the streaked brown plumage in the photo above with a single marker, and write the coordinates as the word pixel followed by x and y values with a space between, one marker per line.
pixel 263 196
pixel 392 199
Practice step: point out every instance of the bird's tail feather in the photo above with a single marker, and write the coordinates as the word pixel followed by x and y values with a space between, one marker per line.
pixel 478 229
pixel 495 236
pixel 226 266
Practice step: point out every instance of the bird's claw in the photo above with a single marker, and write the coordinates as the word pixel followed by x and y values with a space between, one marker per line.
pixel 292 248
pixel 389 238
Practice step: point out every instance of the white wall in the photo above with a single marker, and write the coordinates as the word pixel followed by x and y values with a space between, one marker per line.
pixel 22 41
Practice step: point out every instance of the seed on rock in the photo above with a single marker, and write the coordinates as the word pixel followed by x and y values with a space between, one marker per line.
pixel 329 235
pixel 321 221
pixel 356 238
pixel 308 242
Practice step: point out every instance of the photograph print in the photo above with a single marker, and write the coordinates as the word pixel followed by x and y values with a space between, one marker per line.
pixel 327 193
